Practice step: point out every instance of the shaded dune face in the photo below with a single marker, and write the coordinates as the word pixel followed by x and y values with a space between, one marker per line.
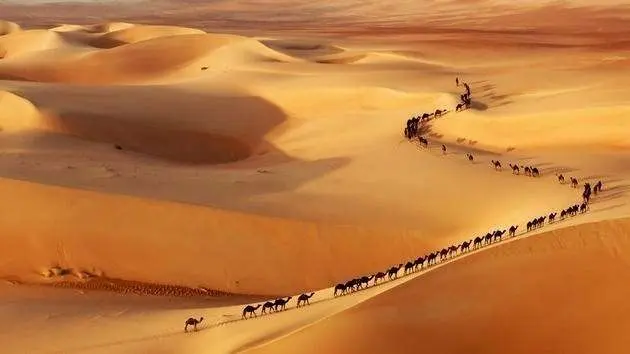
pixel 172 129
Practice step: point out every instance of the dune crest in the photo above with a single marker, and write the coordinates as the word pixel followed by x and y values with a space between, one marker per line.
pixel 17 114
pixel 120 35
pixel 7 27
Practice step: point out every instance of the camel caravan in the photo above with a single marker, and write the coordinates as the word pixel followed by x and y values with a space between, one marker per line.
pixel 413 124
pixel 422 262
pixel 431 259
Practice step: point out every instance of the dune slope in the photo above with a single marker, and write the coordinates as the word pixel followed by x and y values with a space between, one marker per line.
pixel 560 291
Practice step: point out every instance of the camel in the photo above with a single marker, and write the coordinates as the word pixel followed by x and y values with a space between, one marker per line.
pixel 498 235
pixel 497 164
pixel 560 178
pixel 583 207
pixel 552 217
pixel 350 284
pixel 424 142
pixel 443 149
pixel 439 112
pixel 512 230
pixel 341 288
pixel 393 272
pixel 574 182
pixel 282 303
pixel 443 253
pixel 527 170
pixel 477 242
pixel 419 262
pixel 192 322
pixel 515 169
pixel 365 280
pixel 426 116
pixel 459 107
pixel 598 187
pixel 251 310
pixel 535 172
pixel 470 157
pixel 457 81
pixel 304 299
pixel 467 89
pixel 488 238
pixel 377 276
pixel 268 305
pixel 465 246
pixel 408 267
pixel 431 258
pixel 452 250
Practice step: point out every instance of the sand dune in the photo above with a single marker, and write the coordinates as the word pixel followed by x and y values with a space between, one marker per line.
pixel 561 281
pixel 134 34
pixel 7 27
pixel 191 172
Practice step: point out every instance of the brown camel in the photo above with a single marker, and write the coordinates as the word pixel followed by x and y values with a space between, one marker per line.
pixel 459 107
pixel 574 182
pixel 251 310
pixel 527 170
pixel 497 164
pixel 341 288
pixel 268 305
pixel 192 322
pixel 552 217
pixel 512 231
pixel 598 187
pixel 282 303
pixel 515 169
pixel 304 299
pixel 560 178
pixel 535 172
pixel 377 276
pixel 439 112
pixel 393 271
pixel 470 157
pixel 443 149
pixel 424 142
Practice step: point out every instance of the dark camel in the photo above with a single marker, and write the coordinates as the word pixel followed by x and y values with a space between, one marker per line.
pixel 470 157
pixel 365 281
pixel 282 303
pixel 409 267
pixel 465 247
pixel 418 263
pixel 304 299
pixel 535 172
pixel 515 169
pixel 527 170
pixel 459 107
pixel 341 288
pixel 452 250
pixel 267 305
pixel 560 178
pixel 477 242
pixel 251 310
pixel 443 149
pixel 192 322
pixel 457 81
pixel 439 112
pixel 497 164
pixel 512 230
pixel 424 142
pixel 377 276
pixel 583 207
pixel 598 187
pixel 574 182
pixel 393 272
pixel 552 217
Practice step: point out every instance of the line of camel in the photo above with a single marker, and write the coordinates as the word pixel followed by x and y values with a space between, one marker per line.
pixel 435 257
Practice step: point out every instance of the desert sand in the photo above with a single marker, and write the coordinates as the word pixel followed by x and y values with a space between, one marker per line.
pixel 162 167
